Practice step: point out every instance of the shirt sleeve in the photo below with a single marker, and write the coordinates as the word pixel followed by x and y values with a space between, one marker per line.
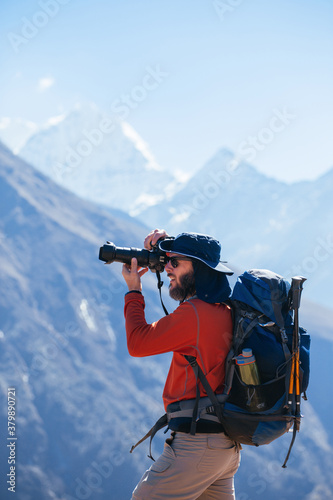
pixel 170 333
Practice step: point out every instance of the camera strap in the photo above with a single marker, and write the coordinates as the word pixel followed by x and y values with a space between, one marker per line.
pixel 159 286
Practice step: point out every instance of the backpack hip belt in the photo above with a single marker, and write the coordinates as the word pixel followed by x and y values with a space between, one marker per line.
pixel 185 408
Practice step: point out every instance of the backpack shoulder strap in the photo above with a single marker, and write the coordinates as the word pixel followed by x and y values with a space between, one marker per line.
pixel 199 375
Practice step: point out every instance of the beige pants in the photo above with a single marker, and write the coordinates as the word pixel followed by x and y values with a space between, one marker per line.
pixel 200 467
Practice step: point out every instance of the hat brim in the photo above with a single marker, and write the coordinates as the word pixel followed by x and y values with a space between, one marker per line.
pixel 167 246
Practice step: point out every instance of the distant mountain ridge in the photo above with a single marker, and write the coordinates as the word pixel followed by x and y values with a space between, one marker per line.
pixel 99 158
pixel 261 222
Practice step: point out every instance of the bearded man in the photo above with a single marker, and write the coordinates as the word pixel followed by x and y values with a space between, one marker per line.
pixel 198 465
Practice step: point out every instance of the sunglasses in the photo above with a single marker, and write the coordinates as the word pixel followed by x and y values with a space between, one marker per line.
pixel 174 261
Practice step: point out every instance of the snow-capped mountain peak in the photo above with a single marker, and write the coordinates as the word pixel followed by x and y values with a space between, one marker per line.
pixel 100 158
pixel 141 146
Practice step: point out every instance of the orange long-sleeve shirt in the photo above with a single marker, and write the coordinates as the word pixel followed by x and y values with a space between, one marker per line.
pixel 195 328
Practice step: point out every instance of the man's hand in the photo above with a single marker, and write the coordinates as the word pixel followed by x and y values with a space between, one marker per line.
pixel 152 238
pixel 132 275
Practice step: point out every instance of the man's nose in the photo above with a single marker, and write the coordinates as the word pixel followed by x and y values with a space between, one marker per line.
pixel 168 266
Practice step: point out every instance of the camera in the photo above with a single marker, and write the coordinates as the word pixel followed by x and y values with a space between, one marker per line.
pixel 155 259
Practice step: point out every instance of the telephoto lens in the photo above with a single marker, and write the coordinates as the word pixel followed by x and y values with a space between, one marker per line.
pixel 154 259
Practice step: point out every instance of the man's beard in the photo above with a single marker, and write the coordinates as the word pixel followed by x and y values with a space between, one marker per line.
pixel 185 288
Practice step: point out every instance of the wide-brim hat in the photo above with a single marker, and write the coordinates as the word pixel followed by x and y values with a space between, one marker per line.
pixel 197 246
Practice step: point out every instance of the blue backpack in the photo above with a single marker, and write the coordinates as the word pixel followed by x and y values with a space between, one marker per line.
pixel 264 319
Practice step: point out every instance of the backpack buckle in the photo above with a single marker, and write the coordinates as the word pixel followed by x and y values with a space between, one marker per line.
pixel 192 360
pixel 210 410
pixel 283 334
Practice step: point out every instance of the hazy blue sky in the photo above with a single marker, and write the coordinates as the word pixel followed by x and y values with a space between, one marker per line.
pixel 191 76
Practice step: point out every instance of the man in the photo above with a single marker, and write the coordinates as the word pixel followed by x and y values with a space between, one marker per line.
pixel 199 466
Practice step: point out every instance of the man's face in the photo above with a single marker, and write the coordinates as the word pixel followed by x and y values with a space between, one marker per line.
pixel 181 275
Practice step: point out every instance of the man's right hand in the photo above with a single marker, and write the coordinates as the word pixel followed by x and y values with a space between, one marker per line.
pixel 132 275
pixel 152 238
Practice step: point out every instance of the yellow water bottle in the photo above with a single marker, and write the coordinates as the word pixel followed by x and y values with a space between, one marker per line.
pixel 247 366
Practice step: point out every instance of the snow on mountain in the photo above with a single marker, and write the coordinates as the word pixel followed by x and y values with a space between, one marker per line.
pixel 99 158
pixel 260 222
pixel 81 400
pixel 14 132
